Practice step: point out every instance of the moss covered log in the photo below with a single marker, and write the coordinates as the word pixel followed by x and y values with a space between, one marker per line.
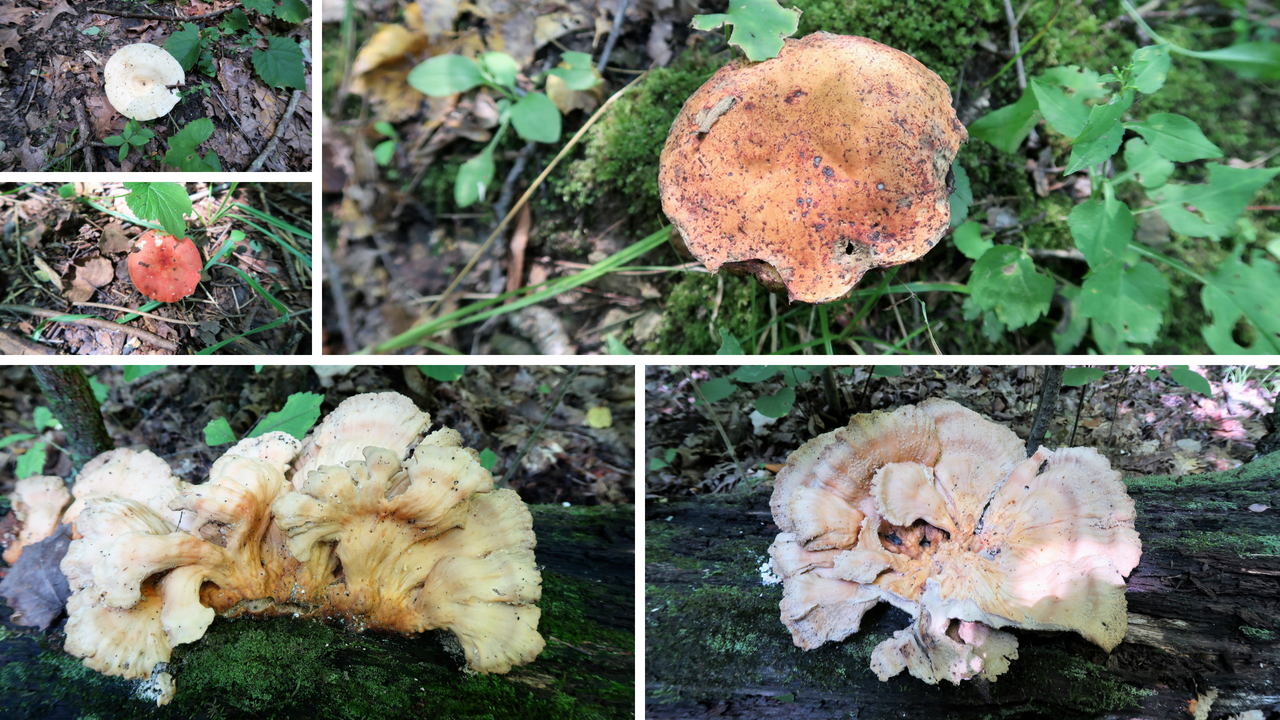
pixel 1204 616
pixel 286 668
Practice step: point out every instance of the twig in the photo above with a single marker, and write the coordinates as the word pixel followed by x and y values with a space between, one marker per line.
pixel 339 299
pixel 1084 397
pixel 234 119
pixel 564 387
pixel 99 323
pixel 275 137
pixel 74 149
pixel 1115 413
pixel 136 312
pixel 500 209
pixel 1045 409
pixel 1014 44
pixel 715 419
pixel 618 13
pixel 84 133
pixel 146 16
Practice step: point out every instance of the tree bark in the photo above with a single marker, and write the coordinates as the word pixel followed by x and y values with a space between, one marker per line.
pixel 71 400
pixel 1046 408
pixel 1204 615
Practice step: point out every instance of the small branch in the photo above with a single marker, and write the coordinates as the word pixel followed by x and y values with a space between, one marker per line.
pixel 98 323
pixel 715 419
pixel 339 299
pixel 1084 397
pixel 1115 412
pixel 1045 410
pixel 117 308
pixel 1014 44
pixel 146 16
pixel 89 164
pixel 564 387
pixel 618 14
pixel 74 149
pixel 275 137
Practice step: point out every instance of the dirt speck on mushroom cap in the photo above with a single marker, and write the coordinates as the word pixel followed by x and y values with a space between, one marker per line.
pixel 834 159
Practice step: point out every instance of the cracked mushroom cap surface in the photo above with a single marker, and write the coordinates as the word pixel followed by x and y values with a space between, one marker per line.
pixel 939 512
pixel 809 169
pixel 138 79
pixel 38 502
pixel 163 267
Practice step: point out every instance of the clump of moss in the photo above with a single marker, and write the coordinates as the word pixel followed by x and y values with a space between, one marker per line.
pixel 1258 633
pixel 686 327
pixel 1075 683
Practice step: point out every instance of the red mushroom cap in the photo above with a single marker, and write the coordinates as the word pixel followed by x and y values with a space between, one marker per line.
pixel 163 267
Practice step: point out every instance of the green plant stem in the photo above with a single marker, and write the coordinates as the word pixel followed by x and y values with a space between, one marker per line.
pixel 715 419
pixel 1030 44
pixel 217 215
pixel 564 387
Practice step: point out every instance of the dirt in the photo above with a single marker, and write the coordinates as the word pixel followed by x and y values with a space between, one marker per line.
pixel 81 244
pixel 50 67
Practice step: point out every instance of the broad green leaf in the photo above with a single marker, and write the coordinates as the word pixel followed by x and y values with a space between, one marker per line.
pixel 777 405
pixel 1150 169
pixel 1005 281
pixel 886 371
pixel 754 373
pixel 280 64
pixel 1237 291
pixel 1175 137
pixel 793 376
pixel 535 117
pixel 1007 127
pixel 1132 300
pixel 262 7
pixel 1107 338
pixel 218 432
pixel 16 437
pixel 1190 379
pixel 1101 136
pixel 717 389
pixel 488 459
pixel 1150 68
pixel 386 129
pixel 1085 82
pixel 1077 376
pixel 182 147
pixel 1102 229
pixel 1070 336
pixel 501 67
pixel 445 75
pixel 1151 373
pixel 115 140
pixel 758 26
pixel 474 178
pixel 615 346
pixel 969 241
pixel 184 46
pixel 67 190
pixel 729 344
pixel 162 202
pixel 44 418
pixel 299 413
pixel 1220 201
pixel 384 151
pixel 576 71
pixel 235 21
pixel 1067 115
pixel 293 11
pixel 1253 60
pixel 443 373
pixel 962 197
pixel 31 462
pixel 99 389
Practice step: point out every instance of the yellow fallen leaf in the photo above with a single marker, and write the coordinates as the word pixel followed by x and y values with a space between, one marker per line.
pixel 599 417
pixel 389 43
pixel 567 100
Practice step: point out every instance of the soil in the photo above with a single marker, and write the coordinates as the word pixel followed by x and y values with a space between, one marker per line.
pixel 68 236
pixel 52 64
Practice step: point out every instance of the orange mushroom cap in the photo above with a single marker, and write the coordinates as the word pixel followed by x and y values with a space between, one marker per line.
pixel 163 267
pixel 813 167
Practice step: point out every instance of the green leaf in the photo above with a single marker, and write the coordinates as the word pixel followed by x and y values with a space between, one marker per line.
pixel 1004 280
pixel 1102 229
pixel 578 73
pixel 218 432
pixel 386 129
pixel 67 191
pixel 445 75
pixel 1175 137
pixel 729 344
pixel 133 372
pixel 488 459
pixel 754 373
pixel 280 64
pixel 886 371
pixel 384 152
pixel 299 413
pixel 115 140
pixel 8 440
pixel 182 145
pixel 1101 136
pixel 1132 300
pixel 535 117
pixel 235 21
pixel 474 178
pixel 758 26
pixel 969 241
pixel 1190 379
pixel 1150 67
pixel 1077 376
pixel 30 462
pixel 1238 291
pixel 44 418
pixel 443 373
pixel 1142 162
pixel 184 46
pixel 1220 201
pixel 777 405
pixel 293 11
pixel 1007 127
pixel 99 389
pixel 262 7
pixel 1252 60
pixel 1066 339
pixel 962 197
pixel 1151 373
pixel 615 346
pixel 717 389
pixel 1085 83
pixel 1067 115
pixel 162 202
pixel 501 67
pixel 793 376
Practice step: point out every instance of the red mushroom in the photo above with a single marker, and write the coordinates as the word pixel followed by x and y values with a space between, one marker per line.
pixel 163 267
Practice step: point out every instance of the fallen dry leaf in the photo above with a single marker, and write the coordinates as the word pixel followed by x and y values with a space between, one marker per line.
pixel 389 43
pixel 13 14
pixel 35 588
pixel 142 27
pixel 9 41
pixel 89 277
pixel 46 22
pixel 435 20
pixel 114 240
pixel 32 158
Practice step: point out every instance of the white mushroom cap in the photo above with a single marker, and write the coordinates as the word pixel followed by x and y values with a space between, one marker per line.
pixel 138 79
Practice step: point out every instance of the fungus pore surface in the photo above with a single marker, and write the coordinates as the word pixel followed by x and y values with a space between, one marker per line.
pixel 939 512
pixel 809 169
pixel 384 542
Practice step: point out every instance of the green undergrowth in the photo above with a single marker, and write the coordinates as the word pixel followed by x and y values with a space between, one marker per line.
pixel 687 327
pixel 1259 471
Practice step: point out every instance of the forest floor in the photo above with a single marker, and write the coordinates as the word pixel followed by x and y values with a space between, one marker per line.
pixel 63 253
pixel 397 237
pixel 1143 425
pixel 52 95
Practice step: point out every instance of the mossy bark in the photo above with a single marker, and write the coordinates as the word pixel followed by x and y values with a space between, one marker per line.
pixel 1204 615
pixel 287 668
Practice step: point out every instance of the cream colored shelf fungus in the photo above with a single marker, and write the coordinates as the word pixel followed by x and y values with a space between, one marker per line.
pixel 939 512
pixel 348 526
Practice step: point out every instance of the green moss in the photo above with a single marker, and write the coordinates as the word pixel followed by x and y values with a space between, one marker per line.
pixel 686 327
pixel 1220 505
pixel 1265 468
pixel 1258 633
pixel 437 184
pixel 1074 683
pixel 1193 541
pixel 566 612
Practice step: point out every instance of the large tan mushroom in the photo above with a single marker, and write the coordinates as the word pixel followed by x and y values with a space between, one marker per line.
pixel 37 503
pixel 937 511
pixel 809 169
pixel 139 79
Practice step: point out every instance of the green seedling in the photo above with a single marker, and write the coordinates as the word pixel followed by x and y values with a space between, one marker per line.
pixel 134 135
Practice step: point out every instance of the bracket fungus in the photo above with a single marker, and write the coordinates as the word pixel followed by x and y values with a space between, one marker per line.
pixel 139 79
pixel 37 503
pixel 163 267
pixel 939 512
pixel 809 169
pixel 386 542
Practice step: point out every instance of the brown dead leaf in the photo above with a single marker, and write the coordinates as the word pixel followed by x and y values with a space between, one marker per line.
pixel 9 41
pixel 114 240
pixel 89 277
pixel 142 27
pixel 35 588
pixel 387 89
pixel 552 25
pixel 14 15
pixel 105 120
pixel 46 22
pixel 567 100
pixel 519 241
pixel 434 20
pixel 389 44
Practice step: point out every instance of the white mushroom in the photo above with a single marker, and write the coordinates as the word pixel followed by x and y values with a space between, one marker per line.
pixel 138 81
